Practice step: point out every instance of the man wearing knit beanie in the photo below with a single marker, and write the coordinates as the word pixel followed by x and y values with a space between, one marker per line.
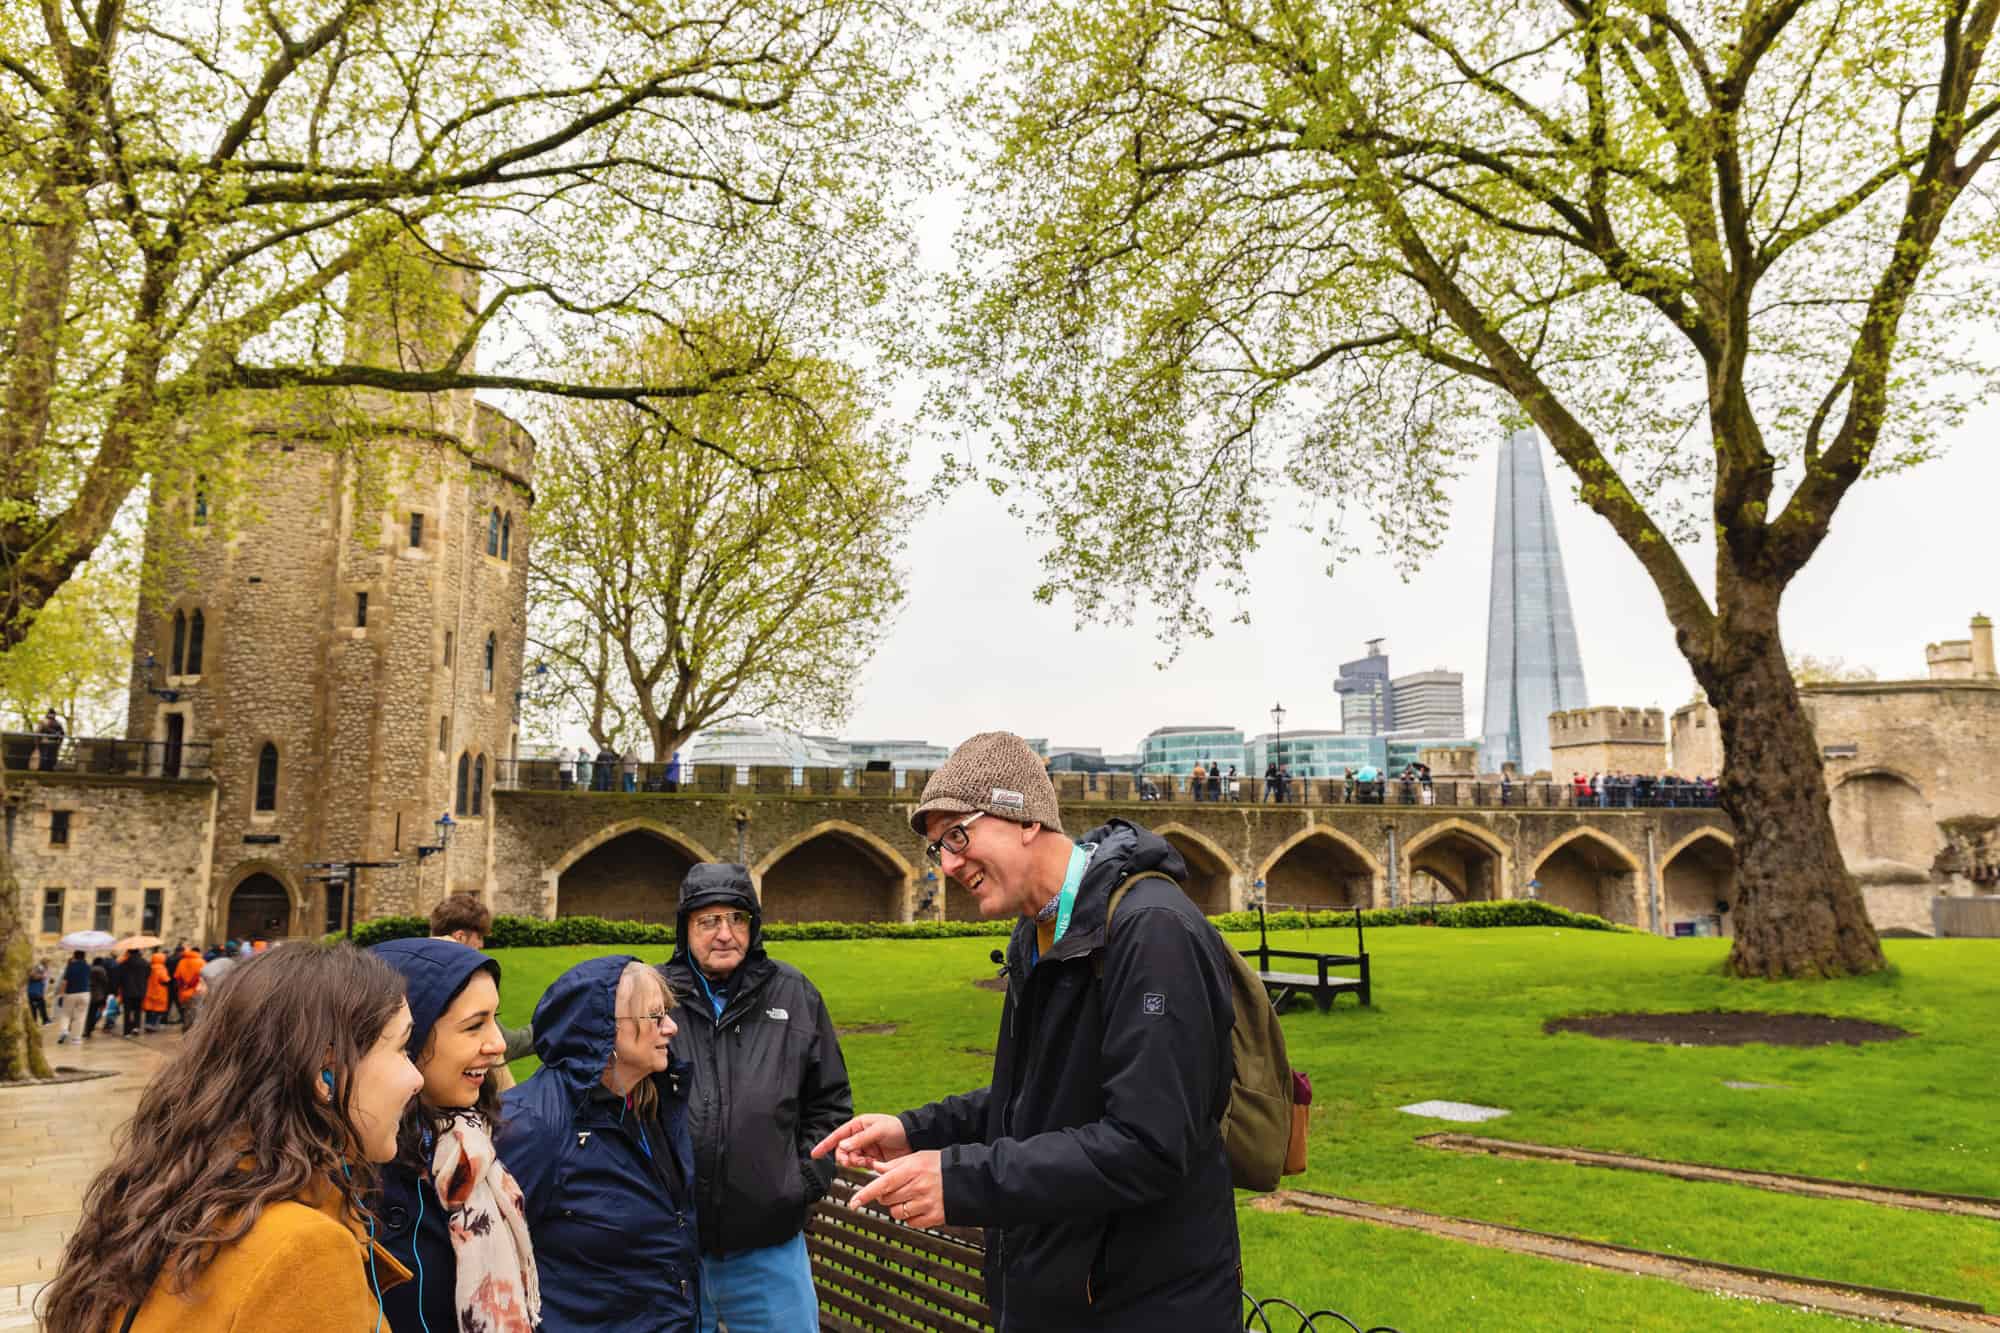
pixel 1095 1153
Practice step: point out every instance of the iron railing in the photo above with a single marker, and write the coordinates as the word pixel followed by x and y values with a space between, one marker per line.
pixel 1278 1315
pixel 618 777
pixel 103 756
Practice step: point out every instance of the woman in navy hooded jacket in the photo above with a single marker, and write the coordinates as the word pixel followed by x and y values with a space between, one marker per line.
pixel 448 1210
pixel 600 1147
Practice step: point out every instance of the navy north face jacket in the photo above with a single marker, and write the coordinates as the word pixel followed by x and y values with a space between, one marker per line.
pixel 609 1204
pixel 768 1080
pixel 1094 1158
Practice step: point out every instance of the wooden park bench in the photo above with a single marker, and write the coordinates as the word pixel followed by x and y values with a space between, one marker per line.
pixel 875 1275
pixel 1320 983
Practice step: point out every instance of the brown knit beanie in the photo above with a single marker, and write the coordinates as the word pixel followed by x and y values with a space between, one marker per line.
pixel 995 772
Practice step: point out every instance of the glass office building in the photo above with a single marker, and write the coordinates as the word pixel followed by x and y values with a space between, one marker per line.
pixel 1533 667
pixel 1176 750
pixel 1316 754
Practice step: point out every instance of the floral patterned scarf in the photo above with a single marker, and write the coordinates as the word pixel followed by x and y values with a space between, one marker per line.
pixel 498 1291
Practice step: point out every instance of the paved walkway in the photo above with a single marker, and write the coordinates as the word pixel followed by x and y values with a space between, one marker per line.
pixel 54 1137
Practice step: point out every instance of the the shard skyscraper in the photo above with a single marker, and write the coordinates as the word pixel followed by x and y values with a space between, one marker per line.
pixel 1532 664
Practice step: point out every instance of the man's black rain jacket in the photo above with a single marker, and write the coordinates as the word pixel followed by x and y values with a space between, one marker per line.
pixel 768 1082
pixel 1094 1159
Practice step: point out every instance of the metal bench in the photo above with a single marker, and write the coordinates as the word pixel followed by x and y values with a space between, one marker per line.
pixel 1321 984
pixel 875 1275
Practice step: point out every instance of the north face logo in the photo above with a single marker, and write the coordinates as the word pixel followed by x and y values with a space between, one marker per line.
pixel 1154 1003
pixel 776 1015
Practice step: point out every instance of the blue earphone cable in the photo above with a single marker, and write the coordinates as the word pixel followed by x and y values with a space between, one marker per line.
pixel 373 1280
pixel 417 1253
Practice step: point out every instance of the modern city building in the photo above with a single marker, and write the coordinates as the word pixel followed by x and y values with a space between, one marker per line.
pixel 1088 759
pixel 747 744
pixel 1533 667
pixel 1367 702
pixel 1429 703
pixel 1315 753
pixel 1179 749
pixel 900 755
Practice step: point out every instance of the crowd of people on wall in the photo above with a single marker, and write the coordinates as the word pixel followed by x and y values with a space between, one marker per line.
pixel 339 1145
pixel 1629 790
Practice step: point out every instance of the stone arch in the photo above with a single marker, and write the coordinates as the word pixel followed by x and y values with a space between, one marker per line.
pixel 1587 871
pixel 1882 815
pixel 835 871
pixel 1212 872
pixel 260 900
pixel 1697 874
pixel 1469 860
pixel 1320 866
pixel 628 871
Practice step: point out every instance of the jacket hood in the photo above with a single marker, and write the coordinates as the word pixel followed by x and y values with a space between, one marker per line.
pixel 576 1024
pixel 1123 850
pixel 434 972
pixel 718 884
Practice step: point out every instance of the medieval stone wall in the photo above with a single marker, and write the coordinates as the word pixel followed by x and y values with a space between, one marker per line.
pixel 368 718
pixel 570 852
pixel 128 835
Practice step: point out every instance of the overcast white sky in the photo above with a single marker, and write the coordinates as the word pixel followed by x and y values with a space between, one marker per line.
pixel 1909 561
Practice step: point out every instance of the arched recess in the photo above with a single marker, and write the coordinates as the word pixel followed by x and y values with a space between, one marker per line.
pixel 1468 861
pixel 1212 872
pixel 259 903
pixel 1698 879
pixel 1320 867
pixel 836 871
pixel 628 871
pixel 1882 814
pixel 1585 871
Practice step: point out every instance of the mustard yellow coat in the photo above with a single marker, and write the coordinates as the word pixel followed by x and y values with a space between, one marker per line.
pixel 302 1268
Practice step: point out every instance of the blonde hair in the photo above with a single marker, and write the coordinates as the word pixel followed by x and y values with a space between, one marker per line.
pixel 644 1099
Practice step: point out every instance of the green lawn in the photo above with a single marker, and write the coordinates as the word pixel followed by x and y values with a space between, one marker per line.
pixel 1458 1015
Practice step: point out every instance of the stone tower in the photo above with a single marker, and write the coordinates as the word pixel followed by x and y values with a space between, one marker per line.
pixel 342 621
pixel 1533 667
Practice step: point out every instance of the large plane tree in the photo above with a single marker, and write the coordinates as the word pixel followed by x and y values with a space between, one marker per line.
pixel 1728 257
pixel 186 191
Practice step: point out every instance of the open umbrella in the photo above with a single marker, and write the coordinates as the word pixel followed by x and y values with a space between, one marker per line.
pixel 138 942
pixel 87 939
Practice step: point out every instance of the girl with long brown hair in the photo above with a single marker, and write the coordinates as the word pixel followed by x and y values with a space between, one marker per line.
pixel 234 1199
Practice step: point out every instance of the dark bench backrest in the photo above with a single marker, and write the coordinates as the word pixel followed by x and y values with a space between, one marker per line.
pixel 877 1275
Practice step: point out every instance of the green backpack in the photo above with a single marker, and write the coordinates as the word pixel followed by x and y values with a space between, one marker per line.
pixel 1257 1127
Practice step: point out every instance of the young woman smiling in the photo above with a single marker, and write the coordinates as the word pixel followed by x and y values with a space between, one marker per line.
pixel 234 1199
pixel 449 1211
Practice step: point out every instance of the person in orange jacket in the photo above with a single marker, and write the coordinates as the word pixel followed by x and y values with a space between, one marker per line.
pixel 156 993
pixel 303 1064
pixel 188 987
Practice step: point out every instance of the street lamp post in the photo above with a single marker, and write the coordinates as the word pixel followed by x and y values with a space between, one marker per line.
pixel 1278 745
pixel 149 671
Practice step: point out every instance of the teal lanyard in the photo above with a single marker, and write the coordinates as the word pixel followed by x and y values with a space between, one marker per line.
pixel 1079 857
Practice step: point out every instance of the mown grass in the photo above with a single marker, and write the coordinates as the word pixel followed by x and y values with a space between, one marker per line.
pixel 1458 1015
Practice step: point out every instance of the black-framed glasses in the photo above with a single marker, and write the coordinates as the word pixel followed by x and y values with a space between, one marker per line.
pixel 955 839
pixel 657 1017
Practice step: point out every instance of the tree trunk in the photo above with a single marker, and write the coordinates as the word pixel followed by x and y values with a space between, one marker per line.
pixel 1798 911
pixel 21 1053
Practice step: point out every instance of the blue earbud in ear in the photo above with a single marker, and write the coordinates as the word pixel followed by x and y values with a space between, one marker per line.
pixel 326 1077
